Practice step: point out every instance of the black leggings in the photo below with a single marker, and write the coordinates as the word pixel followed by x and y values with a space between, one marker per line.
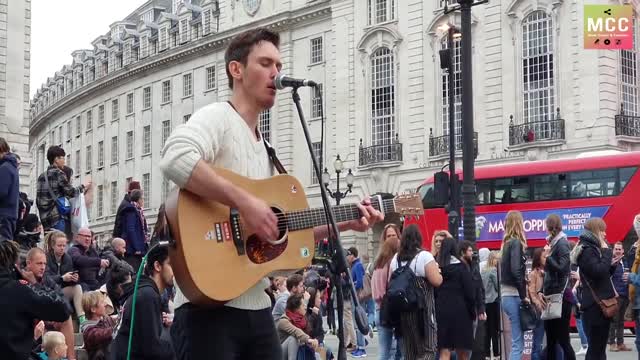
pixel 596 326
pixel 224 333
pixel 558 333
pixel 493 329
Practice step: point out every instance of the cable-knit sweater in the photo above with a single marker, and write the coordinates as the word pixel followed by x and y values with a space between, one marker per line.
pixel 217 134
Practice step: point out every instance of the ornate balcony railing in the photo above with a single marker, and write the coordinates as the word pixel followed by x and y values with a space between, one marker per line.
pixel 535 131
pixel 439 145
pixel 627 125
pixel 377 154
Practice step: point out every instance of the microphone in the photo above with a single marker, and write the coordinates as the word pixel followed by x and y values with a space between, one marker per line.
pixel 282 81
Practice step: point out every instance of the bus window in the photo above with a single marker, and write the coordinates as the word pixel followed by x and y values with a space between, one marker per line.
pixel 483 192
pixel 625 176
pixel 550 187
pixel 427 193
pixel 595 183
pixel 510 190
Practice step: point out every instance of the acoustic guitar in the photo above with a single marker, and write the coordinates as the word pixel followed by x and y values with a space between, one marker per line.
pixel 215 258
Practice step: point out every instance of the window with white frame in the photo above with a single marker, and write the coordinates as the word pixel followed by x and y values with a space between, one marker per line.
pixel 60 135
pixel 78 169
pixel 538 72
pixel 166 131
pixel 114 197
pixel 316 102
pixel 100 115
pixel 146 189
pixel 127 53
pixel 78 126
pixel 186 118
pixel 100 154
pixel 166 91
pixel 457 92
pixel 89 120
pixel 210 78
pixel 89 159
pixel 147 16
pixel 130 103
pixel 381 11
pixel 317 152
pixel 316 50
pixel 100 200
pixel 166 188
pixel 184 30
pixel 146 97
pixel 144 46
pixel 68 130
pixel 206 21
pixel 382 97
pixel 265 124
pixel 115 110
pixel 164 34
pixel 629 87
pixel 129 145
pixel 447 2
pixel 146 140
pixel 187 85
pixel 114 150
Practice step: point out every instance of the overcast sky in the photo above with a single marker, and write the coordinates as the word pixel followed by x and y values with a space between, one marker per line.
pixel 58 27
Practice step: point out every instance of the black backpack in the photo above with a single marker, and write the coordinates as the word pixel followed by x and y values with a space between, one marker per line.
pixel 402 296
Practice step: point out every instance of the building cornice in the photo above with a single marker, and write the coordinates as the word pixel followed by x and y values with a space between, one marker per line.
pixel 277 22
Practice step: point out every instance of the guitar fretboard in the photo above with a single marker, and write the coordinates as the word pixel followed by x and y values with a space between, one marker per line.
pixel 309 218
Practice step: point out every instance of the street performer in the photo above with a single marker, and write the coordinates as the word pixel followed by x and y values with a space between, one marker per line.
pixel 226 135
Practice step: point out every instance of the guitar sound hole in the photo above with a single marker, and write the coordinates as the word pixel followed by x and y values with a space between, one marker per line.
pixel 260 252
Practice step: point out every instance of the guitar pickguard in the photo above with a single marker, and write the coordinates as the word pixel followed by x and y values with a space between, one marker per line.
pixel 260 252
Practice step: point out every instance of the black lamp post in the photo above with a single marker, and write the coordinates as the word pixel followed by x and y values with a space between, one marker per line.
pixel 326 179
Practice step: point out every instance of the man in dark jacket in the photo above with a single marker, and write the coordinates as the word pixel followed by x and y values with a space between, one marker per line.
pixel 133 230
pixel 9 191
pixel 147 328
pixel 133 185
pixel 115 254
pixel 86 260
pixel 21 304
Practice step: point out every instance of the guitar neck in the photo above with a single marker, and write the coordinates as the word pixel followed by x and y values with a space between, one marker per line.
pixel 310 218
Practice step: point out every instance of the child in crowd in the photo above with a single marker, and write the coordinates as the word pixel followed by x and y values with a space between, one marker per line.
pixel 53 345
pixel 98 329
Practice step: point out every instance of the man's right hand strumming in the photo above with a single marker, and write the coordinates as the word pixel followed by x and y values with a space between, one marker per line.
pixel 259 217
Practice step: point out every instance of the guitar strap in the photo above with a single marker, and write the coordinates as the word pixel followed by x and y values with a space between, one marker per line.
pixel 270 150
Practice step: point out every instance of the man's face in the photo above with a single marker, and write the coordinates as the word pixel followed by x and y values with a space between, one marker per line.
pixel 37 265
pixel 298 289
pixel 350 257
pixel 84 237
pixel 263 64
pixel 59 162
pixel 166 273
pixel 120 248
pixel 618 250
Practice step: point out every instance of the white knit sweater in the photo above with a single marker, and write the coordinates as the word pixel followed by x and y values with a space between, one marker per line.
pixel 217 134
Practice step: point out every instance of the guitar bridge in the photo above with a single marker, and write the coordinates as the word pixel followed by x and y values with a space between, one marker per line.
pixel 236 233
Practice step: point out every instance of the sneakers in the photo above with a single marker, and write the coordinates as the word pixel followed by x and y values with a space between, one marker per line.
pixel 582 351
pixel 359 353
pixel 613 348
pixel 623 347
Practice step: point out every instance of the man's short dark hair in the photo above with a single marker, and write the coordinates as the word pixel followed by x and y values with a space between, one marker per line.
pixel 54 152
pixel 352 251
pixel 135 195
pixel 294 302
pixel 242 44
pixel 159 254
pixel 464 246
pixel 293 281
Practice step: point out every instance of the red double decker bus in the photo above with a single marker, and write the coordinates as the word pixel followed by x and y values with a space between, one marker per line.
pixel 576 189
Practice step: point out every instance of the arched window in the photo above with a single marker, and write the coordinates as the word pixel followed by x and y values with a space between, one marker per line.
pixel 382 97
pixel 629 90
pixel 457 92
pixel 537 72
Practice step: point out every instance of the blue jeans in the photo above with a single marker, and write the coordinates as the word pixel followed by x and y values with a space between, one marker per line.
pixel 538 337
pixel 359 337
pixel 511 306
pixel 583 336
pixel 387 345
pixel 370 307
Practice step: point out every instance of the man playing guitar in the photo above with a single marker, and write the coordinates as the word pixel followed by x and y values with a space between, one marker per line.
pixel 226 135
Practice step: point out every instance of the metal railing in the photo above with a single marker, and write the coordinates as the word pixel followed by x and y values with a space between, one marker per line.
pixel 439 145
pixel 535 131
pixel 627 125
pixel 376 154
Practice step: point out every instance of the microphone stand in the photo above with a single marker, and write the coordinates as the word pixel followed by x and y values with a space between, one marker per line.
pixel 338 262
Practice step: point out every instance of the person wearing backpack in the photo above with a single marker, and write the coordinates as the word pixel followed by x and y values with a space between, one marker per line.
pixel 455 303
pixel 358 276
pixel 409 304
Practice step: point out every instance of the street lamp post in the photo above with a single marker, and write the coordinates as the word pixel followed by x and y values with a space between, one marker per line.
pixel 326 180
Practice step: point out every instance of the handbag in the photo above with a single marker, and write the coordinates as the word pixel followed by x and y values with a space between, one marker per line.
pixel 553 310
pixel 609 306
pixel 528 316
pixel 62 203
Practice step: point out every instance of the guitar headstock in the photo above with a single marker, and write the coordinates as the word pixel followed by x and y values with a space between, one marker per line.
pixel 408 204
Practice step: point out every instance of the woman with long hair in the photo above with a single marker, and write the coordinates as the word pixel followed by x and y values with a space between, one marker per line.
pixel 455 306
pixel 595 259
pixel 557 269
pixel 418 328
pixel 534 288
pixel 489 275
pixel 390 243
pixel 513 278
pixel 437 239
